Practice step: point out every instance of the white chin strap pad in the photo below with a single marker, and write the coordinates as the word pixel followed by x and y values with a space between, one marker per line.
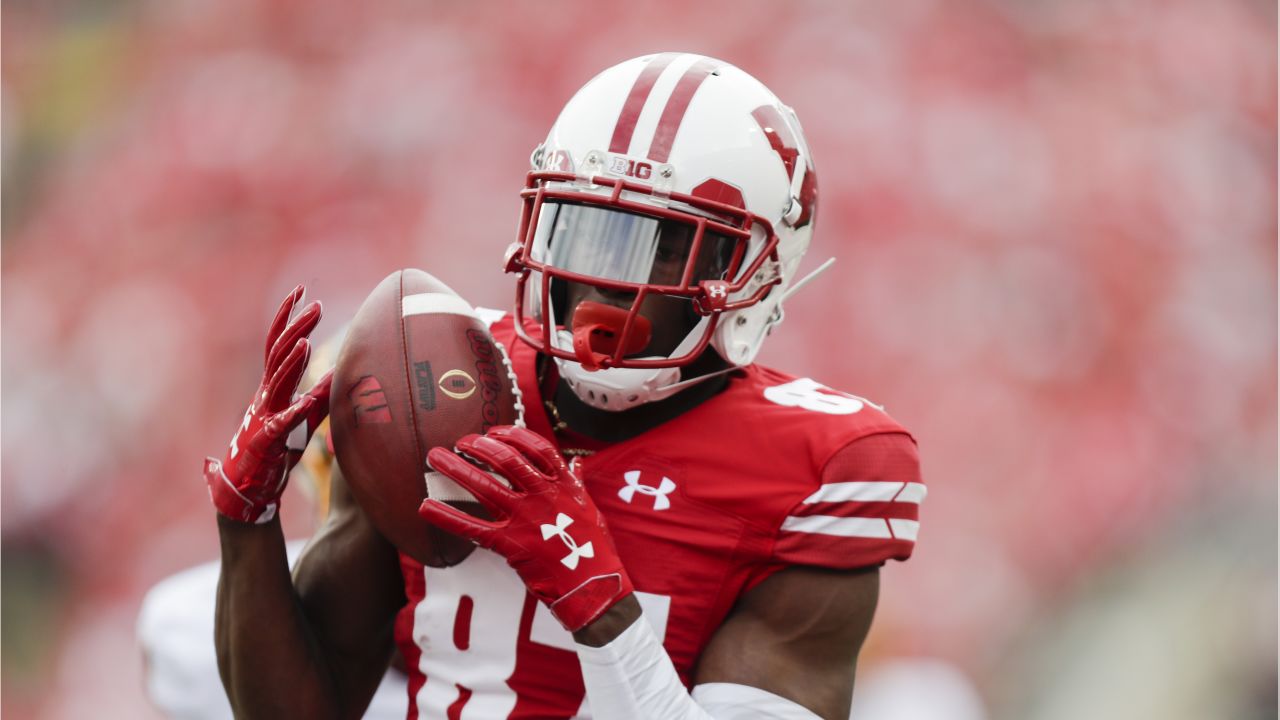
pixel 618 389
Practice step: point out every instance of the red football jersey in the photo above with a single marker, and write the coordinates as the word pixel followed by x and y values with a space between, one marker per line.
pixel 773 471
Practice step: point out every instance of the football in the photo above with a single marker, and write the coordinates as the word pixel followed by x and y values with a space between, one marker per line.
pixel 418 369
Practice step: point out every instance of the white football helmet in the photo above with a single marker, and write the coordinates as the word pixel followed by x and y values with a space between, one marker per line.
pixel 675 175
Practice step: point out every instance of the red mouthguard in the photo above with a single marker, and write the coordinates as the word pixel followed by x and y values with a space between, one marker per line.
pixel 597 333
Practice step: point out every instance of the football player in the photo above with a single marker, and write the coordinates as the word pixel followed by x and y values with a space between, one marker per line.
pixel 677 532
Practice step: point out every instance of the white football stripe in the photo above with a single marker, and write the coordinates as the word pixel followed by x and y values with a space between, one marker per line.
pixel 425 303
pixel 489 316
pixel 904 529
pixel 844 527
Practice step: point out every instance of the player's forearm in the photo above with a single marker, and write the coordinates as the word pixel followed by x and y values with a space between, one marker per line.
pixel 266 654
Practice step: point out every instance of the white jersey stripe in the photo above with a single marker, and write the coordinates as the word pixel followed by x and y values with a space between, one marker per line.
pixel 904 529
pixel 912 493
pixel 868 491
pixel 424 303
pixel 843 527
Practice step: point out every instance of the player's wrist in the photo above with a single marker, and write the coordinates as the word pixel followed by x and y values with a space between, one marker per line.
pixel 230 526
pixel 609 624
pixel 250 504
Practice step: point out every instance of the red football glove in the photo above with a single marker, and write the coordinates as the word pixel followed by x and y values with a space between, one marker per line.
pixel 547 527
pixel 246 484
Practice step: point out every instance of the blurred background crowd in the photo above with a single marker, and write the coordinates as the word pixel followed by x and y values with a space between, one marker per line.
pixel 1055 224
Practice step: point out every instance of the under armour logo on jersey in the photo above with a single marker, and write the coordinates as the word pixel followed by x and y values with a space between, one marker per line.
pixel 659 493
pixel 575 551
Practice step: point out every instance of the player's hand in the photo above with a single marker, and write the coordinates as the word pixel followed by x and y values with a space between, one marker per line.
pixel 546 525
pixel 247 483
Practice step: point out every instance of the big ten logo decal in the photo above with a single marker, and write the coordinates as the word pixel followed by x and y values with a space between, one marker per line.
pixel 426 385
pixel 639 169
pixel 369 402
pixel 809 395
pixel 468 628
pixel 487 376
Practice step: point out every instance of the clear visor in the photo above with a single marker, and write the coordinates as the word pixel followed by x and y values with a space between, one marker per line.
pixel 625 247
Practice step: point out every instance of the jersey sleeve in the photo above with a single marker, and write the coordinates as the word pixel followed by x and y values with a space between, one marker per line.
pixel 865 511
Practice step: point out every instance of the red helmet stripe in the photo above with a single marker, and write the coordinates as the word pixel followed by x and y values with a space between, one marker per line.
pixel 677 104
pixel 626 125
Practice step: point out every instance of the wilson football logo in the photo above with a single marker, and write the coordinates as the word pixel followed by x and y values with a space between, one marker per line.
pixel 487 371
pixel 369 402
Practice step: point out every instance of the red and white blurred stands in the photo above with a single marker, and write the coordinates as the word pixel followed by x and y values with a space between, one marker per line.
pixel 1055 224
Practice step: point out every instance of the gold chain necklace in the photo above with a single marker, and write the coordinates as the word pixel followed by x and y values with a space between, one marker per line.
pixel 558 426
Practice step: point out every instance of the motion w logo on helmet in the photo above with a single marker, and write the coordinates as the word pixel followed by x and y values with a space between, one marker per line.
pixel 783 141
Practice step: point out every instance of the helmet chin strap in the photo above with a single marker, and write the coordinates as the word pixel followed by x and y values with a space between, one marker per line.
pixel 618 389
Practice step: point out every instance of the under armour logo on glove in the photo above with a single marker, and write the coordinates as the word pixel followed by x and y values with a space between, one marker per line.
pixel 659 493
pixel 575 551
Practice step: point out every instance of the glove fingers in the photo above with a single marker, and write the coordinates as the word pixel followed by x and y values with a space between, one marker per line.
pixel 533 446
pixel 298 328
pixel 455 521
pixel 282 319
pixel 320 391
pixel 492 495
pixel 283 423
pixel 505 460
pixel 284 382
pixel 320 410
pixel 268 443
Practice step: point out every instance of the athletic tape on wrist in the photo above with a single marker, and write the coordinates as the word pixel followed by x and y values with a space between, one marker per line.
pixel 632 678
